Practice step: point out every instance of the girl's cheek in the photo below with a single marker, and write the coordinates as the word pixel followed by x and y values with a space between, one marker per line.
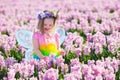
pixel 45 26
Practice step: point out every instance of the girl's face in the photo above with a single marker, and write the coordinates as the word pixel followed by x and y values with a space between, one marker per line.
pixel 48 25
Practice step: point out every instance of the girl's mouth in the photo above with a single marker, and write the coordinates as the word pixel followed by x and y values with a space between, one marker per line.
pixel 47 29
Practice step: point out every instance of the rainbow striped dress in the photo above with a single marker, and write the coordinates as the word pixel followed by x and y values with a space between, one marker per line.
pixel 47 44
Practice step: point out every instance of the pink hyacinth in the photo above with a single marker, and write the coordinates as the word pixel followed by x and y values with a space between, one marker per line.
pixel 10 61
pixel 51 74
pixel 60 61
pixel 11 74
pixel 75 62
pixel 87 49
pixel 2 62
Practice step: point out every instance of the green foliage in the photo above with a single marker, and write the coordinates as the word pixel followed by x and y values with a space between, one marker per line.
pixel 89 21
pixel 16 44
pixel 3 73
pixel 26 22
pixel 82 34
pixel 69 57
pixel 118 74
pixel 35 72
pixel 16 54
pixel 93 56
pixel 17 75
pixel 99 21
pixel 78 21
pixel 84 58
pixel 3 52
pixel 5 33
pixel 112 11
pixel 106 54
pixel 72 30
pixel 106 33
pixel 61 77
pixel 73 42
pixel 119 49
pixel 93 32
pixel 62 46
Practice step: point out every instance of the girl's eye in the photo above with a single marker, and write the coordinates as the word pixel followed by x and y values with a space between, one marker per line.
pixel 44 24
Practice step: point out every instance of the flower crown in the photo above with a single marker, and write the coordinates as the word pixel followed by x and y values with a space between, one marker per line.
pixel 47 14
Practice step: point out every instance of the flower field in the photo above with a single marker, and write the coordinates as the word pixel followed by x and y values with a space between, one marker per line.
pixel 91 46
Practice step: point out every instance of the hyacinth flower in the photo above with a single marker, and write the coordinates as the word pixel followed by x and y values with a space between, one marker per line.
pixel 100 25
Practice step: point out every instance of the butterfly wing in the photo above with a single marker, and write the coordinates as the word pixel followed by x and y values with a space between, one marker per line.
pixel 62 34
pixel 28 55
pixel 24 38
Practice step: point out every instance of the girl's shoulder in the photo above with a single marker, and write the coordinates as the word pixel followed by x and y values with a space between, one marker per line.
pixel 37 34
pixel 56 34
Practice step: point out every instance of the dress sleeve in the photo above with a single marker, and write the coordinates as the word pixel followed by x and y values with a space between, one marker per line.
pixel 35 35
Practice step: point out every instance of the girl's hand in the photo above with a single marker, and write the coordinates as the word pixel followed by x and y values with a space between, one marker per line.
pixel 45 58
pixel 62 52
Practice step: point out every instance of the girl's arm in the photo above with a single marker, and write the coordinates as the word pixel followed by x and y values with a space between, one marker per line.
pixel 36 48
pixel 58 45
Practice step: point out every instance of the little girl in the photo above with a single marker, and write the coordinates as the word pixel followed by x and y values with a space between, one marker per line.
pixel 46 41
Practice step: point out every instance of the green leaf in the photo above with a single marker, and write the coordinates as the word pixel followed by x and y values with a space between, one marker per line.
pixel 3 52
pixel 62 46
pixel 3 73
pixel 26 22
pixel 61 77
pixel 35 72
pixel 16 54
pixel 93 55
pixel 99 21
pixel 16 44
pixel 82 34
pixel 106 54
pixel 111 10
pixel 5 33
pixel 72 30
pixel 17 75
pixel 107 33
pixel 118 74
pixel 83 55
pixel 78 21
pixel 89 21
pixel 69 57
pixel 93 32
pixel 119 49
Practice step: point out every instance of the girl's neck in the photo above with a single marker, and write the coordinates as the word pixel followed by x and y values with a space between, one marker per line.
pixel 50 33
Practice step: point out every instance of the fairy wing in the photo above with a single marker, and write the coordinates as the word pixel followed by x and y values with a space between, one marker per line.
pixel 24 38
pixel 28 54
pixel 62 34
